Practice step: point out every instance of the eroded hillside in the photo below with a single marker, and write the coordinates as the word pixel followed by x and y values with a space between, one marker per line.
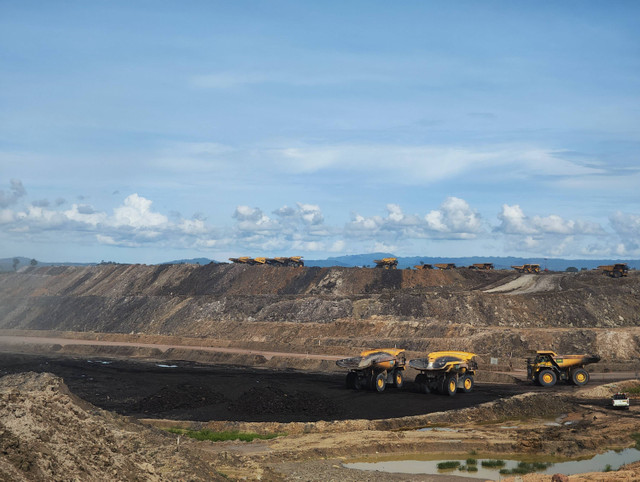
pixel 336 309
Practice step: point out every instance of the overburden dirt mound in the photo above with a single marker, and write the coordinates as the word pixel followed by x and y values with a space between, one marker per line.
pixel 46 433
pixel 332 310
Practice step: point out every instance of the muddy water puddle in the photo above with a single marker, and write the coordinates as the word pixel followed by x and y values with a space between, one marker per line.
pixel 474 468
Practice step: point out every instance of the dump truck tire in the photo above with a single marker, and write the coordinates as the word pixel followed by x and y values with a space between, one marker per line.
pixel 451 386
pixel 547 378
pixel 580 377
pixel 380 382
pixel 467 383
pixel 351 380
pixel 421 383
pixel 357 383
pixel 398 379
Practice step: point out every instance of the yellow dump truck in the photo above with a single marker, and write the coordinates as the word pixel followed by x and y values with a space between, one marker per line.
pixel 423 266
pixel 445 265
pixel 528 268
pixel 445 372
pixel 386 263
pixel 548 367
pixel 617 270
pixel 375 369
pixel 481 266
pixel 293 261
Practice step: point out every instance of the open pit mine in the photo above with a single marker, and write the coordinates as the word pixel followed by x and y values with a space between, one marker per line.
pixel 285 372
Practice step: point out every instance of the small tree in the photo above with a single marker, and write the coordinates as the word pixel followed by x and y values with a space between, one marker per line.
pixel 571 269
pixel 33 262
pixel 16 262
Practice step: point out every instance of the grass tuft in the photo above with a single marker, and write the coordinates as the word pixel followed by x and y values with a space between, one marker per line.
pixel 206 434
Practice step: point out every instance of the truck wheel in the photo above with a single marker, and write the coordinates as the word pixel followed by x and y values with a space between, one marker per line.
pixel 358 383
pixel 467 383
pixel 421 383
pixel 351 379
pixel 398 379
pixel 451 386
pixel 547 378
pixel 580 377
pixel 380 381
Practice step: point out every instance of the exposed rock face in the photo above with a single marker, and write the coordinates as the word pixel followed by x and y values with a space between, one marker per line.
pixel 46 433
pixel 412 307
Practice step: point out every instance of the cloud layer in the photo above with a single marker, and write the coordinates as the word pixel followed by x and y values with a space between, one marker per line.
pixel 302 228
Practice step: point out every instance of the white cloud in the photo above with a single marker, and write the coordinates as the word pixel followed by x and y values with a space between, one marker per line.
pixel 514 221
pixel 136 213
pixel 453 220
pixel 455 216
pixel 16 191
pixel 626 224
pixel 85 215
pixel 430 164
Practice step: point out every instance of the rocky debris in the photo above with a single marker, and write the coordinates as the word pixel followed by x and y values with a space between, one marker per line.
pixel 46 433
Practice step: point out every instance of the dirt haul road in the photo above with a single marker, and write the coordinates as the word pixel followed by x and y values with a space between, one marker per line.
pixel 187 391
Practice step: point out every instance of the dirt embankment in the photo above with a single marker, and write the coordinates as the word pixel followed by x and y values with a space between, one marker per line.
pixel 332 310
pixel 47 433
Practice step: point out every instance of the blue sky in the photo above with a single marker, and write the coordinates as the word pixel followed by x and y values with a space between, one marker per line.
pixel 155 130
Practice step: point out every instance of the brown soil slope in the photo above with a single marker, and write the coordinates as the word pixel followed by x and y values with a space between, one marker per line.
pixel 46 433
pixel 335 309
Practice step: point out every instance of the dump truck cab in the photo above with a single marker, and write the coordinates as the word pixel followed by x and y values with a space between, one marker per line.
pixel 445 372
pixel 547 368
pixel 375 369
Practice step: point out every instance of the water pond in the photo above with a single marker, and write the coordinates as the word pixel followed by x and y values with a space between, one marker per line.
pixel 611 460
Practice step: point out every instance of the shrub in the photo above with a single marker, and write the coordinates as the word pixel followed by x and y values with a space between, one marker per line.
pixel 452 464
pixel 493 463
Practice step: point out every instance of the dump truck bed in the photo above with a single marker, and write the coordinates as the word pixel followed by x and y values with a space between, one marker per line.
pixel 382 359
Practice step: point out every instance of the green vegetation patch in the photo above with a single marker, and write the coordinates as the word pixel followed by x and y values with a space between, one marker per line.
pixel 472 461
pixel 449 465
pixel 526 468
pixel 206 434
pixel 636 436
pixel 493 463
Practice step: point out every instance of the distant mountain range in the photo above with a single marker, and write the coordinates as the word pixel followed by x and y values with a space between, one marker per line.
pixel 366 260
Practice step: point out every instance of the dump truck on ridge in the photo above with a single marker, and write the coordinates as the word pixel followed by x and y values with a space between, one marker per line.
pixel 445 265
pixel 481 266
pixel 243 260
pixel 423 266
pixel 445 372
pixel 528 268
pixel 293 261
pixel 386 263
pixel 375 369
pixel 617 270
pixel 548 367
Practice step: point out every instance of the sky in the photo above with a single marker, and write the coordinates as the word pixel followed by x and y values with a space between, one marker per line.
pixel 148 131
